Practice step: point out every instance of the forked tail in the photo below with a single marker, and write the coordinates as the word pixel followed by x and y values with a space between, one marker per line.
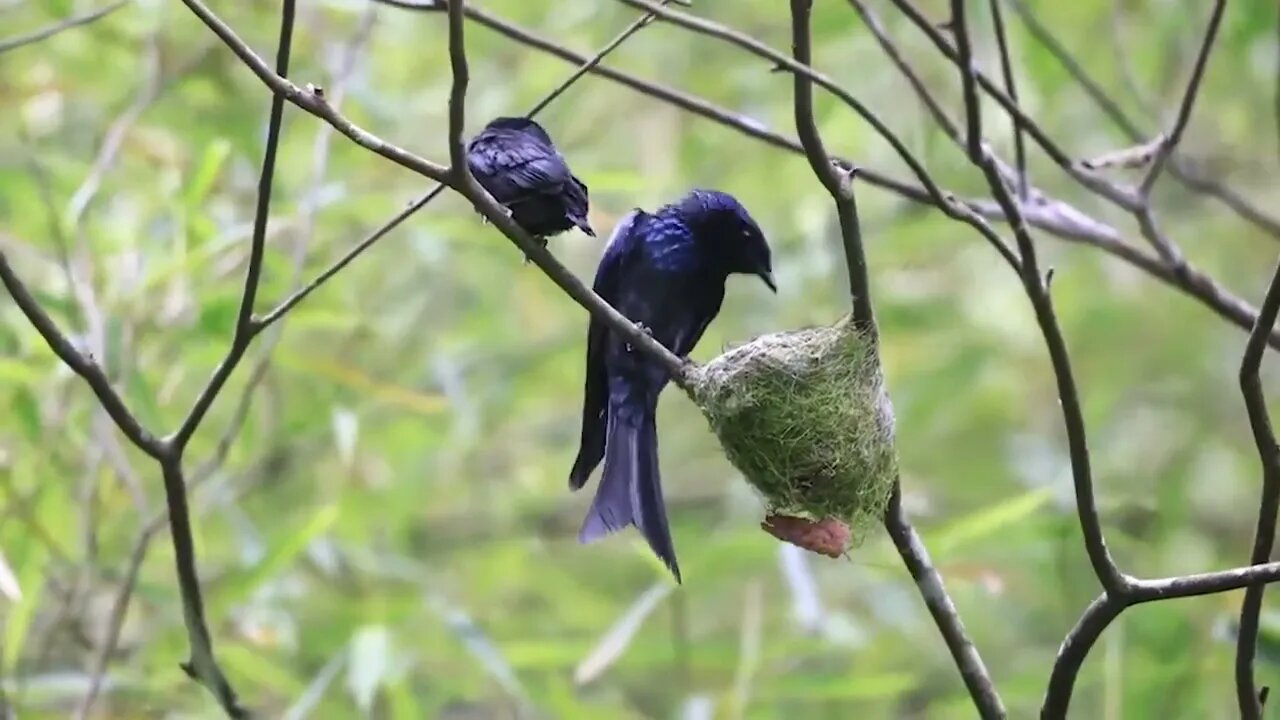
pixel 630 491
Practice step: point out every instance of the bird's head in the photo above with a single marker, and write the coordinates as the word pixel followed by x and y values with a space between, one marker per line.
pixel 718 219
pixel 519 125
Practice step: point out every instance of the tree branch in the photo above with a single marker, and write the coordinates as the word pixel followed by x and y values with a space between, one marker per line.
pixel 1035 285
pixel 83 365
pixel 1264 536
pixel 1107 190
pixel 1184 174
pixel 1045 213
pixel 1188 101
pixel 245 328
pixel 1011 87
pixel 838 183
pixel 48 32
pixel 458 95
pixel 313 102
pixel 301 293
pixel 312 99
pixel 972 111
pixel 929 582
pixel 909 545
pixel 935 196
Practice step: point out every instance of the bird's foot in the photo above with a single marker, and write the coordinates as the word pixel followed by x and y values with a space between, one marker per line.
pixel 644 329
pixel 541 241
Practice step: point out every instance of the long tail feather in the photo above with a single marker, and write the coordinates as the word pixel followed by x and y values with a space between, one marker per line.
pixel 630 491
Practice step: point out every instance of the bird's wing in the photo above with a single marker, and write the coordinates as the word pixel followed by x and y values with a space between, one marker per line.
pixel 622 244
pixel 687 337
pixel 513 169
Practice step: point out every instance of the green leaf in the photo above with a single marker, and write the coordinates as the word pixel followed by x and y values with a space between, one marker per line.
pixel 987 522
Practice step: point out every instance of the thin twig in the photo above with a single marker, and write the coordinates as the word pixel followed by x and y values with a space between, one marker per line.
pixel 913 78
pixel 1121 197
pixel 837 182
pixel 83 365
pixel 937 197
pixel 313 102
pixel 916 557
pixel 244 330
pixel 1172 137
pixel 1036 287
pixel 1264 439
pixel 300 294
pixel 312 99
pixel 54 29
pixel 458 95
pixel 1011 87
pixel 1192 180
pixel 972 111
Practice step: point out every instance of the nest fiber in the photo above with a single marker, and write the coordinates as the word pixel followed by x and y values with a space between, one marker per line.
pixel 805 417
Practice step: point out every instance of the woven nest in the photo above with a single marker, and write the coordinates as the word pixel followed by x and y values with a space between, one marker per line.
pixel 805 417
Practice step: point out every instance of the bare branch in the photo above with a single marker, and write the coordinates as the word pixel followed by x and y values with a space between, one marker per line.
pixel 1106 608
pixel 1011 87
pixel 839 184
pixel 54 29
pixel 973 116
pixel 935 195
pixel 83 365
pixel 1048 214
pixel 312 100
pixel 1188 100
pixel 245 327
pixel 929 582
pixel 299 295
pixel 458 94
pixel 1122 198
pixel 314 103
pixel 1113 580
pixel 1264 536
pixel 1187 176
pixel 895 56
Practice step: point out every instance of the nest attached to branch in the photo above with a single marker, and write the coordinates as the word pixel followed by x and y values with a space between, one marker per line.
pixel 805 416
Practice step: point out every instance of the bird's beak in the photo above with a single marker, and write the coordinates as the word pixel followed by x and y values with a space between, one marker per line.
pixel 767 277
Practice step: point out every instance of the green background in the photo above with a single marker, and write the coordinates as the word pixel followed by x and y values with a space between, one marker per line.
pixel 391 535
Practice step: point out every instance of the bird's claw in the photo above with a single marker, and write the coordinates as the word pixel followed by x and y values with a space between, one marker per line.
pixel 644 329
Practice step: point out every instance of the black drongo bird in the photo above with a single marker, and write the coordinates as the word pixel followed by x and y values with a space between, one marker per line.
pixel 514 159
pixel 665 271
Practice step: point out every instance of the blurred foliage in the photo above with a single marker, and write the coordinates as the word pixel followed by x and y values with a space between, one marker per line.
pixel 390 535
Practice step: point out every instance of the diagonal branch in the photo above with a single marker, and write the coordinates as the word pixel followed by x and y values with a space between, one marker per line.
pixel 1006 65
pixel 935 195
pixel 83 365
pixel 458 95
pixel 314 103
pixel 972 111
pixel 1264 438
pixel 58 27
pixel 301 293
pixel 914 555
pixel 839 183
pixel 1036 286
pixel 1180 170
pixel 1172 138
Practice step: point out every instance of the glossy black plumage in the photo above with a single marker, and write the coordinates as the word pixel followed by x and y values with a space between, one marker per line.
pixel 515 160
pixel 666 271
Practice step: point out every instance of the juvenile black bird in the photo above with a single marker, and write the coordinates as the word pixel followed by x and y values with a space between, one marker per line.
pixel 665 271
pixel 514 159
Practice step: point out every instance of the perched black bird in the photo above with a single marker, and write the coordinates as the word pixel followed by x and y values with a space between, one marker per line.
pixel 514 159
pixel 665 271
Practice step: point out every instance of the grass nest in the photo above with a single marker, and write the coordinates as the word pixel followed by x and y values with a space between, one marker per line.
pixel 804 415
